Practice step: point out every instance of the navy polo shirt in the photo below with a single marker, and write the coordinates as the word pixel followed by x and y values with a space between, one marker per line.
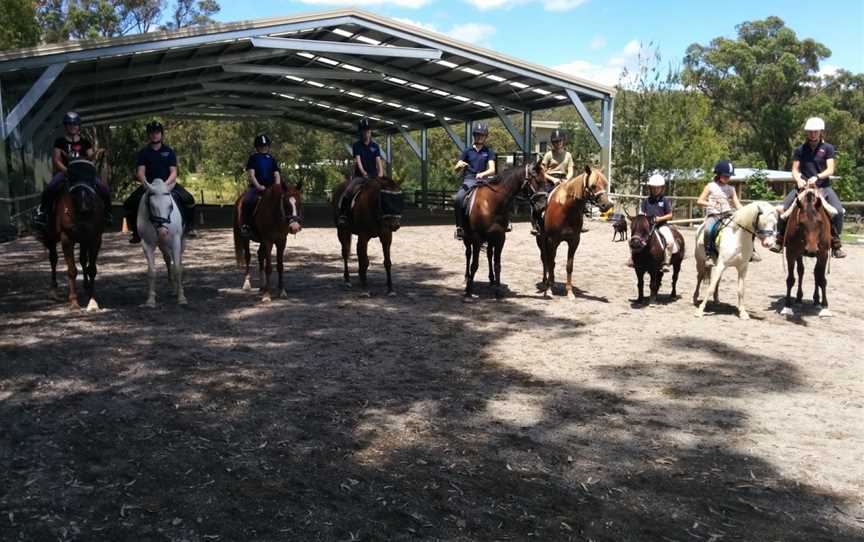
pixel 157 163
pixel 814 161
pixel 265 167
pixel 477 160
pixel 368 157
pixel 653 207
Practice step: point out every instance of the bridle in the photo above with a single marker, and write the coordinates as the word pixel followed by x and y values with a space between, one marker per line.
pixel 754 229
pixel 161 221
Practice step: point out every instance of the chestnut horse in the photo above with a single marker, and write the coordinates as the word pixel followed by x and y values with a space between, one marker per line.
pixel 366 221
pixel 79 217
pixel 276 214
pixel 808 233
pixel 648 255
pixel 488 219
pixel 563 222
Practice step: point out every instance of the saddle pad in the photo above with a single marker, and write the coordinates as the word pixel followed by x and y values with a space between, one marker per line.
pixel 391 203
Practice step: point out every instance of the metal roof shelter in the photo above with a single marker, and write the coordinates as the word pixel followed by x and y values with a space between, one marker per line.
pixel 324 69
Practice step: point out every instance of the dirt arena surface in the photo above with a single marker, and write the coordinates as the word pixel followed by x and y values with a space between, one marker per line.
pixel 328 416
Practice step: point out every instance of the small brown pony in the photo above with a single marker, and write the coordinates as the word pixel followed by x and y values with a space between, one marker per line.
pixel 488 219
pixel 648 255
pixel 563 222
pixel 808 233
pixel 276 214
pixel 79 217
pixel 366 222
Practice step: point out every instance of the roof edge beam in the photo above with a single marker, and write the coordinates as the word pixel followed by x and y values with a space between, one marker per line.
pixel 453 136
pixel 304 73
pixel 587 120
pixel 514 132
pixel 411 143
pixel 26 103
pixel 295 90
pixel 142 100
pixel 321 46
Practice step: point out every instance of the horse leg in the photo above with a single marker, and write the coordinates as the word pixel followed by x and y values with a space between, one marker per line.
pixel 490 258
pixel 363 261
pixel 716 273
pixel 551 253
pixel 177 267
pixel 640 286
pixel 676 269
pixel 499 248
pixel 247 255
pixel 280 264
pixel 571 251
pixel 790 282
pixel 541 245
pixel 71 272
pixel 655 276
pixel 822 282
pixel 799 296
pixel 345 240
pixel 386 241
pixel 93 253
pixel 742 274
pixel 467 261
pixel 266 248
pixel 474 262
pixel 166 256
pixel 150 254
pixel 52 258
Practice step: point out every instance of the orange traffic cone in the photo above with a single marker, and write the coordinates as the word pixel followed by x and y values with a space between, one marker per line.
pixel 125 227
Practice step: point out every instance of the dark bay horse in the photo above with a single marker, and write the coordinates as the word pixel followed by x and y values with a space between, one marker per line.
pixel 648 255
pixel 489 217
pixel 808 233
pixel 277 214
pixel 367 220
pixel 79 217
pixel 563 222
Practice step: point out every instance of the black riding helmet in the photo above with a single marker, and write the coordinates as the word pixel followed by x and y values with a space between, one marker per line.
pixel 480 128
pixel 724 168
pixel 262 141
pixel 154 127
pixel 364 125
pixel 557 135
pixel 72 118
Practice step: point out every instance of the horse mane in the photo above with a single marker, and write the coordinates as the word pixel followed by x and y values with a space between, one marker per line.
pixel 572 189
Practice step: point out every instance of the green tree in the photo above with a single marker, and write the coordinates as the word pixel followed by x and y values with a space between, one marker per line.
pixel 192 13
pixel 757 78
pixel 19 28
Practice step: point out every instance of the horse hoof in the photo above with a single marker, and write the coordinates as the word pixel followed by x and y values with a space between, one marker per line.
pixel 56 295
pixel 149 305
pixel 283 294
pixel 699 314
pixel 787 311
pixel 182 301
pixel 93 306
pixel 571 296
pixel 468 299
pixel 391 293
pixel 825 313
pixel 365 294
pixel 266 298
pixel 743 315
pixel 346 285
pixel 74 307
pixel 247 286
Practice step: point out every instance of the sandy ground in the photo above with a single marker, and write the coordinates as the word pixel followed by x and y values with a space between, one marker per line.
pixel 328 416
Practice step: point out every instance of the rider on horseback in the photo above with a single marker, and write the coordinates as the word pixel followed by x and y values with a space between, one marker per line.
pixel 719 199
pixel 658 209
pixel 263 171
pixel 72 146
pixel 367 165
pixel 559 167
pixel 478 161
pixel 158 161
pixel 813 166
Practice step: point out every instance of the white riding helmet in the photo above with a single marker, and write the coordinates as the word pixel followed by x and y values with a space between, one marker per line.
pixel 814 123
pixel 656 180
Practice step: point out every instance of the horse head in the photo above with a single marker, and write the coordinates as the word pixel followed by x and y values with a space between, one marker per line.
pixel 535 179
pixel 640 233
pixel 386 184
pixel 161 205
pixel 812 222
pixel 81 180
pixel 291 207
pixel 597 185
pixel 765 225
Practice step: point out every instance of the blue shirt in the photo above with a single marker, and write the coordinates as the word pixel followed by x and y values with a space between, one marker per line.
pixel 814 161
pixel 265 167
pixel 368 157
pixel 157 163
pixel 478 161
pixel 653 207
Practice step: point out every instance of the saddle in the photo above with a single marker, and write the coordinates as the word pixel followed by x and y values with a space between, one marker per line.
pixel 391 201
pixel 472 192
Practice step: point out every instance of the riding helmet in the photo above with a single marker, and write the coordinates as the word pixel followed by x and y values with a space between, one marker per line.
pixel 154 127
pixel 814 123
pixel 557 135
pixel 480 128
pixel 656 180
pixel 364 125
pixel 72 118
pixel 724 168
pixel 262 141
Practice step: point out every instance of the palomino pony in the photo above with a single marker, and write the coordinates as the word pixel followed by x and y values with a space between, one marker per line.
pixel 648 255
pixel 160 224
pixel 79 217
pixel 735 247
pixel 563 222
pixel 808 233
pixel 367 220
pixel 277 214
pixel 490 206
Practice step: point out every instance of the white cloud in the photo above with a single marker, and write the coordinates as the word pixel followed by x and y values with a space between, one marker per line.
pixel 425 26
pixel 548 5
pixel 608 73
pixel 827 70
pixel 471 32
pixel 597 42
pixel 413 4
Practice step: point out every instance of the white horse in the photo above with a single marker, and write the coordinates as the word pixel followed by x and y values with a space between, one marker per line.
pixel 160 224
pixel 735 247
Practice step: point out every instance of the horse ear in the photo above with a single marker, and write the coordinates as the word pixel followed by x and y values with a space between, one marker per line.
pixel 588 170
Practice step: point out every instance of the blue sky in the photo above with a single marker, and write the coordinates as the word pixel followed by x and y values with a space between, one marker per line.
pixel 596 38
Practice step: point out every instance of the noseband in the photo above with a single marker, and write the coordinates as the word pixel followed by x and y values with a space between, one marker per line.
pixel 161 221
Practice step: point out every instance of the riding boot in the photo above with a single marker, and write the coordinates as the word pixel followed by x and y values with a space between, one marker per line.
pixel 836 229
pixel 189 222
pixel 344 207
pixel 106 201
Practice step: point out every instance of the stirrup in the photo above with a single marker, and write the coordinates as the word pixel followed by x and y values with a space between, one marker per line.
pixel 460 234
